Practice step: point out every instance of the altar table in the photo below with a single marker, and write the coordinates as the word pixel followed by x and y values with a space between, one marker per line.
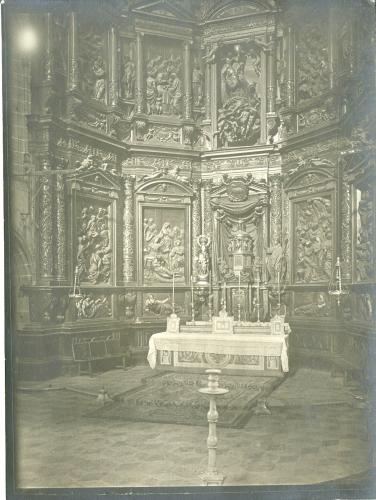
pixel 258 352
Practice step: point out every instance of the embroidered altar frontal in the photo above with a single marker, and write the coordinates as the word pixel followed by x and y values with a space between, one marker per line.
pixel 261 354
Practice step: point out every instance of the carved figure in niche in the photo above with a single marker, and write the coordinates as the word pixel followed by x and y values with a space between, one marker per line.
pixel 364 247
pixel 163 252
pixel 276 263
pixel 99 74
pixel 317 308
pixel 175 94
pixel 203 260
pixel 151 94
pixel 93 248
pixel 197 85
pixel 313 235
pixel 156 306
pixel 128 79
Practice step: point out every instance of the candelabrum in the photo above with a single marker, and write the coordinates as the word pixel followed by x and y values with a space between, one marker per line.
pixel 212 477
pixel 336 287
pixel 75 293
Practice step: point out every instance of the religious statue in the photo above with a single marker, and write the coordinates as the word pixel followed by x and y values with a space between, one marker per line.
pixel 99 74
pixel 128 80
pixel 202 260
pixel 156 306
pixel 197 85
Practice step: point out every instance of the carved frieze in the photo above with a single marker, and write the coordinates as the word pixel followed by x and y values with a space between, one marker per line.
pixel 317 116
pixel 87 149
pixel 312 304
pixel 156 162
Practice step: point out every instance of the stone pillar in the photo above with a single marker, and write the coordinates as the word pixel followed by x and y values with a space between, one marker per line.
pixel 114 86
pixel 140 97
pixel 73 76
pixel 207 214
pixel 60 253
pixel 290 83
pixel 129 230
pixel 275 210
pixel 46 224
pixel 346 229
pixel 187 112
pixel 196 218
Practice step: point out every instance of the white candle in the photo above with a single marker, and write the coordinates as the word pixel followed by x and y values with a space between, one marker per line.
pixel 173 292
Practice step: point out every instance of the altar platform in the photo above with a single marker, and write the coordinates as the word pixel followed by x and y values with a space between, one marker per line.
pixel 251 347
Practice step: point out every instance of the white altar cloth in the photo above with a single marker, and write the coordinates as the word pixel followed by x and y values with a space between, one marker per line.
pixel 242 344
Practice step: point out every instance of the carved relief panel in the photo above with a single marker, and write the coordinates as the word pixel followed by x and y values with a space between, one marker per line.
pixel 364 234
pixel 313 239
pixel 163 84
pixel 313 56
pixel 239 73
pixel 93 61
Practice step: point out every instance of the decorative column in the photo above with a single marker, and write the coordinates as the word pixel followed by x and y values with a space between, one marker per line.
pixel 207 215
pixel 207 92
pixel 60 254
pixel 275 210
pixel 73 76
pixel 346 227
pixel 196 218
pixel 290 83
pixel 187 112
pixel 333 45
pixel 271 76
pixel 129 230
pixel 114 82
pixel 140 98
pixel 46 223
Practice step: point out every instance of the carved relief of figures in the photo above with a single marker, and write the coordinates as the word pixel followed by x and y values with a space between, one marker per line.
pixel 239 116
pixel 163 82
pixel 313 240
pixel 365 236
pixel 313 66
pixel 92 63
pixel 94 245
pixel 157 306
pixel 317 307
pixel 89 307
pixel 164 252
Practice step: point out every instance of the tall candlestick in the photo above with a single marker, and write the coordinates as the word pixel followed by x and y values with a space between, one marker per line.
pixel 210 297
pixel 173 292
pixel 192 301
pixel 239 299
pixel 279 293
pixel 224 295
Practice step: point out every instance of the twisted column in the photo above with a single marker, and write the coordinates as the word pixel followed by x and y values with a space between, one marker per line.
pixel 196 218
pixel 60 255
pixel 187 113
pixel 129 230
pixel 46 223
pixel 140 98
pixel 114 87
pixel 275 210
pixel 73 74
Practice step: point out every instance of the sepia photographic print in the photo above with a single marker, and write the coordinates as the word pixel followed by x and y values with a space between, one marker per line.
pixel 190 263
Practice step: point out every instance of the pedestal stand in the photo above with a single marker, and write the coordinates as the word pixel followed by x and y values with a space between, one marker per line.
pixel 212 477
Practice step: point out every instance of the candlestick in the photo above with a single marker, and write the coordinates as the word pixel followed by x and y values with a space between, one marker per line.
pixel 173 292
pixel 239 307
pixel 192 301
pixel 224 296
pixel 279 294
pixel 210 298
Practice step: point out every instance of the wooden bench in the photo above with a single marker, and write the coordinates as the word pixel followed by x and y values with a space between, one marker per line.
pixel 86 351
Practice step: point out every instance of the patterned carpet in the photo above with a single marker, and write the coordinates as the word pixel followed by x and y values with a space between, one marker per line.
pixel 173 398
pixel 57 446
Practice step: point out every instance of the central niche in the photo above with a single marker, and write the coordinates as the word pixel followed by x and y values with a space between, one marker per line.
pixel 239 119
